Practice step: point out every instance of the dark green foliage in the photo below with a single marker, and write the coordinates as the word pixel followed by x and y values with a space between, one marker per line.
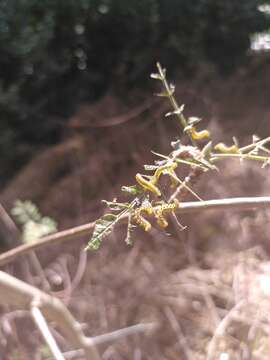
pixel 56 53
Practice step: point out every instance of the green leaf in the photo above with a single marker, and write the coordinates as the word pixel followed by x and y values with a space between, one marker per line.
pixel 133 189
pixel 115 206
pixel 163 94
pixel 103 227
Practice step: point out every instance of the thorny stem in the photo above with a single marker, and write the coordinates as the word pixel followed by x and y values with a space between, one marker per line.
pixel 172 99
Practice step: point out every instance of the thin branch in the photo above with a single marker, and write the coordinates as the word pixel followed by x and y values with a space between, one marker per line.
pixel 215 157
pixel 71 354
pixel 119 334
pixel 45 331
pixel 52 239
pixel 19 294
pixel 221 330
pixel 12 234
pixel 182 341
pixel 15 234
pixel 244 203
pixel 118 119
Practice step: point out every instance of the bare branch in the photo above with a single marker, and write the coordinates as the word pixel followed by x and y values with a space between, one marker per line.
pixel 52 239
pixel 119 334
pixel 45 331
pixel 221 330
pixel 21 295
pixel 244 203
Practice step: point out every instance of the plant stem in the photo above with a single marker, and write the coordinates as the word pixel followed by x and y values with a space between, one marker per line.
pixel 252 146
pixel 184 207
pixel 239 156
pixel 171 97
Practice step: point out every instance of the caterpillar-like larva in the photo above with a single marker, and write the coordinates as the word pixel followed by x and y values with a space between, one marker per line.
pixel 148 184
pixel 160 210
pixel 167 168
pixel 198 135
pixel 139 219
pixel 233 149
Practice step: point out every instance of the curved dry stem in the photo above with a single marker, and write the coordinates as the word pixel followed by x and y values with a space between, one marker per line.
pixel 19 294
pixel 244 203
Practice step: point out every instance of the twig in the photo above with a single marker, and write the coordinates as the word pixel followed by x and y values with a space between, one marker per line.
pixel 39 270
pixel 118 119
pixel 82 263
pixel 221 330
pixel 71 354
pixel 52 239
pixel 244 203
pixel 45 331
pixel 172 99
pixel 13 234
pixel 239 156
pixel 118 334
pixel 183 344
pixel 21 295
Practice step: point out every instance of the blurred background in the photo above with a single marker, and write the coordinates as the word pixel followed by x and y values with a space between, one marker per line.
pixel 78 119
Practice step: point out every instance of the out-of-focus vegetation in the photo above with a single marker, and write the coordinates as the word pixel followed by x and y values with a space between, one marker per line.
pixel 34 225
pixel 56 53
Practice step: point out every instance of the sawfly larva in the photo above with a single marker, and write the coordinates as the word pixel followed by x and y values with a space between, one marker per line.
pixel 233 149
pixel 160 210
pixel 148 184
pixel 198 135
pixel 139 219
